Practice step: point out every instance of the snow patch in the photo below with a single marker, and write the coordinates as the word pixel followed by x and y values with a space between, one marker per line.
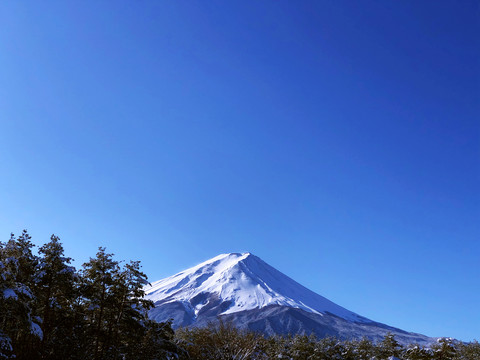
pixel 9 294
pixel 36 330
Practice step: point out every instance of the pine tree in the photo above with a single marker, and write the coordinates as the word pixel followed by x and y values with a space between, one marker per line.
pixel 20 329
pixel 116 312
pixel 365 349
pixel 417 352
pixel 444 349
pixel 56 289
pixel 469 351
pixel 158 343
pixel 98 280
pixel 388 347
pixel 130 310
pixel 329 348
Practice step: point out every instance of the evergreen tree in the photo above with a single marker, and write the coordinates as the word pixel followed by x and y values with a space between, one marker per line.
pixel 417 352
pixel 117 314
pixel 329 348
pixel 388 347
pixel 18 324
pixel 301 346
pixel 444 349
pixel 158 343
pixel 365 349
pixel 56 290
pixel 469 351
pixel 99 278
pixel 129 308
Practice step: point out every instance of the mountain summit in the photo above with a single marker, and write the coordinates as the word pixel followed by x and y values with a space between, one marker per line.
pixel 240 282
pixel 242 288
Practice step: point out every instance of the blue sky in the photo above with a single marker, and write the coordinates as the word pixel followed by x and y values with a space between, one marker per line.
pixel 337 140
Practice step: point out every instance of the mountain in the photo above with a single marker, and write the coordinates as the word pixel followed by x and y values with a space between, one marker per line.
pixel 245 290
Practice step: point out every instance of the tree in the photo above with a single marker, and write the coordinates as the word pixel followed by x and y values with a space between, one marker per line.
pixel 388 347
pixel 48 310
pixel 117 313
pixel 444 349
pixel 56 293
pixel 99 278
pixel 19 327
pixel 220 341
pixel 417 352
pixel 158 343
pixel 469 351
pixel 130 310
pixel 329 348
pixel 365 349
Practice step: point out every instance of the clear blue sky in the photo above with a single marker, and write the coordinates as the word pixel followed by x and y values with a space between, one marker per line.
pixel 337 140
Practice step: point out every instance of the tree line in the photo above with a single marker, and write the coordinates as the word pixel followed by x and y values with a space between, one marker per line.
pixel 222 341
pixel 50 310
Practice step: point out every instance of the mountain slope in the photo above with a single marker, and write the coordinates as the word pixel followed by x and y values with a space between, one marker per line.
pixel 244 289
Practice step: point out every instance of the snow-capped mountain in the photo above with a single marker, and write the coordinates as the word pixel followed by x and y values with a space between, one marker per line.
pixel 244 289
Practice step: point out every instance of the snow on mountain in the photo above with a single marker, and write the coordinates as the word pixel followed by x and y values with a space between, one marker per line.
pixel 245 282
pixel 244 290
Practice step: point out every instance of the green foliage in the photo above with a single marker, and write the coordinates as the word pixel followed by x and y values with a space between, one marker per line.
pixel 444 349
pixel 49 310
pixel 417 352
pixel 389 347
pixel 329 348
pixel 470 351
pixel 363 349
pixel 56 290
pixel 17 302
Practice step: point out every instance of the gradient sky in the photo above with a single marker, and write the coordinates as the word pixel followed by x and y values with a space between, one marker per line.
pixel 337 140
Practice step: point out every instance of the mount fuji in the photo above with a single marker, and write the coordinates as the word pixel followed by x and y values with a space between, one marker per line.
pixel 244 290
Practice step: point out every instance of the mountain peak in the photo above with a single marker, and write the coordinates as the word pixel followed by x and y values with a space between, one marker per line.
pixel 231 255
pixel 241 281
pixel 242 288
